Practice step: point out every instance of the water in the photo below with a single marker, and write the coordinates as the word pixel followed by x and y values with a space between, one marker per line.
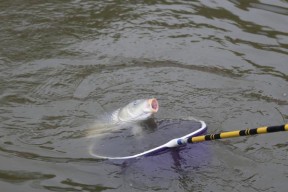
pixel 63 63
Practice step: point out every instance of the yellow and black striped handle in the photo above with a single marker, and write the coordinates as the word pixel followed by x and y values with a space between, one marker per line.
pixel 239 133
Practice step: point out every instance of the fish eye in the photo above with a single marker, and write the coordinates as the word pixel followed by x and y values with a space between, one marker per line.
pixel 137 102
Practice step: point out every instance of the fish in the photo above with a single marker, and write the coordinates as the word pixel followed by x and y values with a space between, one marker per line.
pixel 138 110
pixel 127 116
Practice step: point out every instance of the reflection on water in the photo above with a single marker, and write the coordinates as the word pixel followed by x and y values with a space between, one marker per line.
pixel 63 64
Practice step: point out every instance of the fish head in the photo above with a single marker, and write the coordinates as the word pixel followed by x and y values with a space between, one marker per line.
pixel 138 110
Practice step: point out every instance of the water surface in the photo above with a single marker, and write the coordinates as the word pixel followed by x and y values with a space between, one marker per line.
pixel 64 63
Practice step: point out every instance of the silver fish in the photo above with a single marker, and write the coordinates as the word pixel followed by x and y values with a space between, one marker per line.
pixel 137 110
pixel 128 115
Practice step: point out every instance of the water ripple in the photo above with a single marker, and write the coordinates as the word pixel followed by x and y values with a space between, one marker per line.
pixel 63 64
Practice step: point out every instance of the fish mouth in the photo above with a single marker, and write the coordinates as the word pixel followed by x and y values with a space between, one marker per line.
pixel 154 105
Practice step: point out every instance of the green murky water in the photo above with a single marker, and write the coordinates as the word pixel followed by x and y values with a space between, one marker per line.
pixel 63 63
